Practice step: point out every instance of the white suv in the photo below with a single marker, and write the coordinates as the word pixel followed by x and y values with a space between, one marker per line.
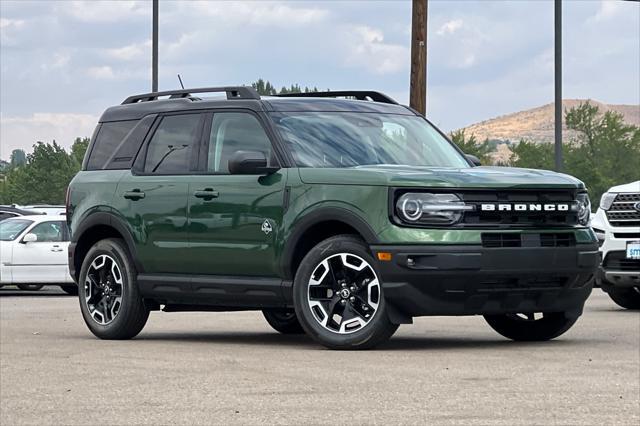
pixel 617 225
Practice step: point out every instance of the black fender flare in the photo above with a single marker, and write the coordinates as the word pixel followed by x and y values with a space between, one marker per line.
pixel 322 214
pixel 102 218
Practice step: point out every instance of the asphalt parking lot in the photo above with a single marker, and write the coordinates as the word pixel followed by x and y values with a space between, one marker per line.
pixel 220 368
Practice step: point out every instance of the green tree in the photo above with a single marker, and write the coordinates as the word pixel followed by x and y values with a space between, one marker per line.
pixel 44 178
pixel 606 151
pixel 78 149
pixel 18 157
pixel 532 155
pixel 265 88
pixel 471 145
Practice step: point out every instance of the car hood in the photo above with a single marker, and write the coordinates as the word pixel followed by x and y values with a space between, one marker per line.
pixel 473 177
pixel 633 187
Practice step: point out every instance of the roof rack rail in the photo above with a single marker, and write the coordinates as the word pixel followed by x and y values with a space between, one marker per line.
pixel 360 95
pixel 233 92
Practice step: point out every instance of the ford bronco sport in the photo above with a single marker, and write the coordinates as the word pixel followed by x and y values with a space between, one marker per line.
pixel 338 214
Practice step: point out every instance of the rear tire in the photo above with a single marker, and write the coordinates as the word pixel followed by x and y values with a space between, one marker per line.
pixel 283 321
pixel 70 289
pixel 110 302
pixel 338 296
pixel 628 298
pixel 516 327
pixel 30 287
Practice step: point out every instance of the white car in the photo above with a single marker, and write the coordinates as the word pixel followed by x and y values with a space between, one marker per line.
pixel 47 209
pixel 33 252
pixel 617 225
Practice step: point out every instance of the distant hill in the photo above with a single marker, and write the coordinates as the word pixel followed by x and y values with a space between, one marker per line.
pixel 537 124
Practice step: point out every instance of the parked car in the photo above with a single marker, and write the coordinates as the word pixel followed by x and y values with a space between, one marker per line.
pixel 33 253
pixel 11 211
pixel 617 225
pixel 49 209
pixel 342 218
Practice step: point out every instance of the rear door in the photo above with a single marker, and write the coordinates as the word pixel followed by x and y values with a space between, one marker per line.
pixel 153 196
pixel 234 230
pixel 45 260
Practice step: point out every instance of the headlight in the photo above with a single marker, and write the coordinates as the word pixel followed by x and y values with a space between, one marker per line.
pixel 584 209
pixel 431 209
pixel 606 200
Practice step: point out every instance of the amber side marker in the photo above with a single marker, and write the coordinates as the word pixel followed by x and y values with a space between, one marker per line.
pixel 384 256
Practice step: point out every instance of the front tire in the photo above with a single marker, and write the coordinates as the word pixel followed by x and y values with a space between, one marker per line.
pixel 283 320
pixel 528 328
pixel 110 302
pixel 628 298
pixel 30 287
pixel 338 296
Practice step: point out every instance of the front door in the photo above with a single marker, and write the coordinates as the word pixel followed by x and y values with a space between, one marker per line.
pixel 235 220
pixel 153 197
pixel 44 260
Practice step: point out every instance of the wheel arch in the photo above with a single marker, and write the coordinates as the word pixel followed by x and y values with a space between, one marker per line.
pixel 93 228
pixel 317 226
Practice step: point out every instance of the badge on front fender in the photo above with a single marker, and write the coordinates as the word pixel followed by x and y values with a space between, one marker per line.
pixel 266 227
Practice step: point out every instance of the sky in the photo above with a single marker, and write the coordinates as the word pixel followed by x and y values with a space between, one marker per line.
pixel 63 62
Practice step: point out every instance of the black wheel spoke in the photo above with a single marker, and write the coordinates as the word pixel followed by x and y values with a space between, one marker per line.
pixel 105 289
pixel 340 301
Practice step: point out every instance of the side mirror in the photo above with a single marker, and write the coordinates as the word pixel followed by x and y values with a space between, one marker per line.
pixel 30 238
pixel 249 163
pixel 473 159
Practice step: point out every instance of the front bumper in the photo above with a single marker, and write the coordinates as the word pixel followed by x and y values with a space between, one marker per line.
pixel 474 280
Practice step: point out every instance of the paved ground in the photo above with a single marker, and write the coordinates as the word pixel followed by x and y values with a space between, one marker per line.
pixel 222 368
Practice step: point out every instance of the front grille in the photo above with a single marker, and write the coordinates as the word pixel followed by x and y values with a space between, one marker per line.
pixel 506 240
pixel 498 285
pixel 519 219
pixel 623 211
pixel 617 261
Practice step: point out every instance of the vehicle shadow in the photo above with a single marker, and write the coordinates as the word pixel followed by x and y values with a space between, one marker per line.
pixel 399 343
pixel 13 292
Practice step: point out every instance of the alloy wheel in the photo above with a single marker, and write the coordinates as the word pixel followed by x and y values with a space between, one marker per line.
pixel 343 293
pixel 103 289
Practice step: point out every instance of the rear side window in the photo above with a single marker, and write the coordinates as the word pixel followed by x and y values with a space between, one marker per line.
pixel 171 147
pixel 107 140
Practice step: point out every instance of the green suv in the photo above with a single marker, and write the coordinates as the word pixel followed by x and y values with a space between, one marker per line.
pixel 338 214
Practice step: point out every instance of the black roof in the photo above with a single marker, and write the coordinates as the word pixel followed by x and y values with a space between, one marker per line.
pixel 136 107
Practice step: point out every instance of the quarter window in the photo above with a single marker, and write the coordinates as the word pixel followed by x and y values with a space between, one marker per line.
pixel 107 141
pixel 50 232
pixel 232 132
pixel 171 146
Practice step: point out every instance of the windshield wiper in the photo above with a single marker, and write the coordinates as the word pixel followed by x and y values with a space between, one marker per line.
pixel 171 150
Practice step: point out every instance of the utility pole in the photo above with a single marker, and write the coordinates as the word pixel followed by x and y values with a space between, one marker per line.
pixel 418 85
pixel 558 84
pixel 154 49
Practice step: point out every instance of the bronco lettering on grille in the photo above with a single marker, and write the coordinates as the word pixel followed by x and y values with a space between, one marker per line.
pixel 524 207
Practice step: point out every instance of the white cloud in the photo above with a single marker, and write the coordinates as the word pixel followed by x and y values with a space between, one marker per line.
pixel 131 51
pixel 104 72
pixel 366 48
pixel 450 27
pixel 23 131
pixel 608 9
pixel 255 13
pixel 105 11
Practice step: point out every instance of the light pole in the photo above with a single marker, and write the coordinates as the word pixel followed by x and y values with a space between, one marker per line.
pixel 418 84
pixel 558 83
pixel 154 48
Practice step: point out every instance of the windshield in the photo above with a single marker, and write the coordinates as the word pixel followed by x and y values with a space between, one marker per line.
pixel 339 139
pixel 11 228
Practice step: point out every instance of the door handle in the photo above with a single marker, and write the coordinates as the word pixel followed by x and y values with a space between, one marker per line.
pixel 134 194
pixel 56 248
pixel 207 193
